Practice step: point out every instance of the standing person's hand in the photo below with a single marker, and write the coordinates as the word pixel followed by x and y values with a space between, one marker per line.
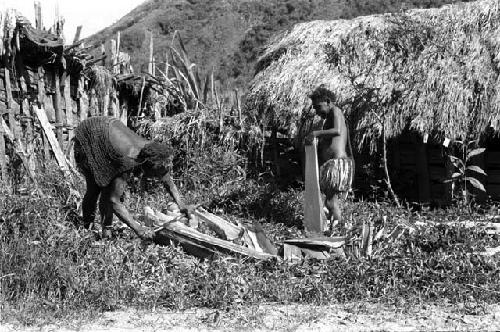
pixel 310 138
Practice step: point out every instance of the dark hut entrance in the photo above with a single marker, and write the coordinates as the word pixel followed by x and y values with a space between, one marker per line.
pixel 419 168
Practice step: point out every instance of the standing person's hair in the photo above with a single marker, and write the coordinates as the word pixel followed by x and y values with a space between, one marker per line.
pixel 321 93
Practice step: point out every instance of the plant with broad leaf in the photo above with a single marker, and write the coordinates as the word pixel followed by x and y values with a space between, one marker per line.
pixel 465 172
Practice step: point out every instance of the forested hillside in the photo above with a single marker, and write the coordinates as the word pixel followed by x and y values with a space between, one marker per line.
pixel 229 35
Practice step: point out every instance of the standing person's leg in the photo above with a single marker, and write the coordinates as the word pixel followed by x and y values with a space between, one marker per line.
pixel 332 203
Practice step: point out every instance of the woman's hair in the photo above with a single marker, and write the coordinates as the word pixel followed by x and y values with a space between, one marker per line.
pixel 321 93
pixel 155 154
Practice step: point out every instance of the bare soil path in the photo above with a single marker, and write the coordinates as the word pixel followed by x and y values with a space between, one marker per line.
pixel 349 317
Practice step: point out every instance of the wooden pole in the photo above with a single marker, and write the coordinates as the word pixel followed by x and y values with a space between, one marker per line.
pixel 119 65
pixel 56 99
pixel 3 162
pixel 9 102
pixel 83 100
pixel 77 34
pixel 41 99
pixel 93 104
pixel 69 110
pixel 38 15
pixel 103 53
pixel 114 57
pixel 150 61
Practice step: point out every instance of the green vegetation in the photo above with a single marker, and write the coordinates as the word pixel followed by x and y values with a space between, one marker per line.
pixel 50 269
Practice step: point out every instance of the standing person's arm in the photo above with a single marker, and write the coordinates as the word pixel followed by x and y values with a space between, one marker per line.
pixel 333 131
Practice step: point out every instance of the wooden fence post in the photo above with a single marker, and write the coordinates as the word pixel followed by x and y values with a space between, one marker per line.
pixel 77 34
pixel 9 101
pixel 38 15
pixel 3 163
pixel 41 104
pixel 69 113
pixel 151 69
pixel 57 107
pixel 83 100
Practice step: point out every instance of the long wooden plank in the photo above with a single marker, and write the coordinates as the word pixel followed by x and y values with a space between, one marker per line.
pixel 9 102
pixel 57 107
pixel 3 162
pixel 193 241
pixel 56 148
pixel 41 103
pixel 188 236
pixel 314 218
pixel 220 226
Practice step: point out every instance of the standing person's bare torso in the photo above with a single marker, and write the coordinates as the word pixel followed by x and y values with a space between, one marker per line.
pixel 335 146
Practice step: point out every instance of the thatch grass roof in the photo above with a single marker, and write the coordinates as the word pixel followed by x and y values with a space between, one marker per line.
pixel 434 70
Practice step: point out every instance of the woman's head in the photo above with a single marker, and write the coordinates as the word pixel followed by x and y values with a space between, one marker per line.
pixel 156 158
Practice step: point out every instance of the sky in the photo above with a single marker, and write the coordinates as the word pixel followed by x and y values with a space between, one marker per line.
pixel 93 15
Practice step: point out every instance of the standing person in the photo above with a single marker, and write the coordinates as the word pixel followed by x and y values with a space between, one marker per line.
pixel 336 168
pixel 107 153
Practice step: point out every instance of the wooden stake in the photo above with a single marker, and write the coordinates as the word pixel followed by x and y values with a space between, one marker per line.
pixel 119 65
pixel 150 63
pixel 41 98
pixel 105 104
pixel 3 162
pixel 77 34
pixel 103 53
pixel 56 99
pixel 83 106
pixel 69 111
pixel 38 15
pixel 56 147
pixel 9 102
pixel 114 57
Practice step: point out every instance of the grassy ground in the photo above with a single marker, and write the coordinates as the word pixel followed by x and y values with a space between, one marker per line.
pixel 50 269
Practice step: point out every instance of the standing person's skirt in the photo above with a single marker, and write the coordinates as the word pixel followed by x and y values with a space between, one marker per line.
pixel 336 176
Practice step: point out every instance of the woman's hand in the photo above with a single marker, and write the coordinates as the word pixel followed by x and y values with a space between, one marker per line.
pixel 189 209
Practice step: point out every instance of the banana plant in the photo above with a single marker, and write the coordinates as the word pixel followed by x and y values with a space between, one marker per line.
pixel 463 168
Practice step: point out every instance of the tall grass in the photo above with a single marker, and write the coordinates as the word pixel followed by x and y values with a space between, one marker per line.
pixel 51 269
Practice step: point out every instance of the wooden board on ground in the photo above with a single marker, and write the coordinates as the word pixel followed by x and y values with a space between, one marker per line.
pixel 195 242
pixel 314 217
pixel 200 244
pixel 221 227
pixel 318 248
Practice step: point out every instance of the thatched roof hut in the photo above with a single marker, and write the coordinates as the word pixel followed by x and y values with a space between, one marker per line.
pixel 435 71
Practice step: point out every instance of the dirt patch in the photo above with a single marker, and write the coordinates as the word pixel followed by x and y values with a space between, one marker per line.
pixel 350 317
